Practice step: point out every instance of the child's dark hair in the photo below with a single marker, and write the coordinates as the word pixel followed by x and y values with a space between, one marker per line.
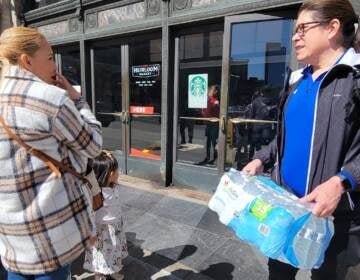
pixel 103 165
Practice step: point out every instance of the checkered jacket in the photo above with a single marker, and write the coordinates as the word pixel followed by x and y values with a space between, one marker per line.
pixel 44 220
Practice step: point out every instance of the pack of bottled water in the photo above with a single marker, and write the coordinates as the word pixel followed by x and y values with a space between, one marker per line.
pixel 270 218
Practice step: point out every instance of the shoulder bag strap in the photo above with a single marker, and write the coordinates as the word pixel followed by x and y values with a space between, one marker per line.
pixel 52 163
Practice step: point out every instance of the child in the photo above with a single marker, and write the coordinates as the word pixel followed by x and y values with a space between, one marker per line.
pixel 105 257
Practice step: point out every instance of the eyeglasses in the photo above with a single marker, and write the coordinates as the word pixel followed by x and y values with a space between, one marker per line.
pixel 301 28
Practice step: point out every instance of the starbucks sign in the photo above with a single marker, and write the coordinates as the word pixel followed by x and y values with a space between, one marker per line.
pixel 197 90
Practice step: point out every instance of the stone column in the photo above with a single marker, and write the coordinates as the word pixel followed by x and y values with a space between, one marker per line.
pixel 9 13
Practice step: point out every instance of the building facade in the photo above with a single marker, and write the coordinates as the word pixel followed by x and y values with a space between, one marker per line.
pixel 146 66
pixel 10 11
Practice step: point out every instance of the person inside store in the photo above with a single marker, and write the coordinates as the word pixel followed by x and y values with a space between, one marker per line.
pixel 45 217
pixel 189 124
pixel 212 125
pixel 259 133
pixel 316 153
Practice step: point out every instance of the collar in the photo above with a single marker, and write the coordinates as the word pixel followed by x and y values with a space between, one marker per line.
pixel 349 57
pixel 309 69
pixel 17 72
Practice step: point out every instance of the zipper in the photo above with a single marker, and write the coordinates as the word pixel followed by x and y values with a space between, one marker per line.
pixel 351 202
pixel 312 137
pixel 314 122
pixel 314 128
pixel 277 170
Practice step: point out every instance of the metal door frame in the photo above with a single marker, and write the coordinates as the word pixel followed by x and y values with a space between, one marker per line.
pixel 209 178
pixel 185 173
pixel 225 81
pixel 132 165
pixel 124 97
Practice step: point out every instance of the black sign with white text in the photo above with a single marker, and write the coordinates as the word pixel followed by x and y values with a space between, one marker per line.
pixel 145 71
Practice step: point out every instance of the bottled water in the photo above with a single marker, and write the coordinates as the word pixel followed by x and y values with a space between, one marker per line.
pixel 308 241
pixel 269 217
pixel 266 231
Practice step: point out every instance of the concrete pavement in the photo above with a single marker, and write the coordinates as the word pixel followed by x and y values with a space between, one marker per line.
pixel 173 235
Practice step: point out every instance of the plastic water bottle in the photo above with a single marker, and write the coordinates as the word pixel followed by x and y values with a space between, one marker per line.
pixel 263 226
pixel 230 199
pixel 308 240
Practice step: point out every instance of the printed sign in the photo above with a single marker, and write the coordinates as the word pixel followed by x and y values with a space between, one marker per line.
pixel 145 71
pixel 145 83
pixel 142 110
pixel 197 91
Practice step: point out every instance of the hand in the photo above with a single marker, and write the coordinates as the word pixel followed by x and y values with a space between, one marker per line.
pixel 254 167
pixel 326 197
pixel 63 83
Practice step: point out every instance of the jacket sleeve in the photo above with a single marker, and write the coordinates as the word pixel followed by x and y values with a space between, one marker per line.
pixel 352 160
pixel 77 127
pixel 267 155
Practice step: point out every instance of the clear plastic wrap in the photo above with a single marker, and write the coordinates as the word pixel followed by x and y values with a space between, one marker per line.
pixel 271 219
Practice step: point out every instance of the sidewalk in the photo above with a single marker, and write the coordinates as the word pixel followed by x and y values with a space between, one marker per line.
pixel 173 235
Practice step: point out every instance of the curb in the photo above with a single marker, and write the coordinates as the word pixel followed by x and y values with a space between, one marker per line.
pixel 183 193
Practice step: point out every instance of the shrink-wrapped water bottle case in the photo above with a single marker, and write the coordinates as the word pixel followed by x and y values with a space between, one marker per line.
pixel 270 218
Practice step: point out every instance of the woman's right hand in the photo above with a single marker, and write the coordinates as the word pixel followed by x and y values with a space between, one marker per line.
pixel 63 83
pixel 254 167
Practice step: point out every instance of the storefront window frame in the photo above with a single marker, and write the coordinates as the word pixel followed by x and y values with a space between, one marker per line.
pixel 225 82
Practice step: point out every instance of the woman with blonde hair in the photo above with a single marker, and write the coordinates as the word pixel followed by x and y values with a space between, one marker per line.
pixel 316 153
pixel 45 214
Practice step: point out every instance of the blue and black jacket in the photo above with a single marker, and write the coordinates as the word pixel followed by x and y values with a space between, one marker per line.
pixel 335 143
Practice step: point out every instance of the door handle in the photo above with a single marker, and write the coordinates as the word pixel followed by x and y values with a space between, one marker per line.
pixel 222 124
pixel 122 117
pixel 127 117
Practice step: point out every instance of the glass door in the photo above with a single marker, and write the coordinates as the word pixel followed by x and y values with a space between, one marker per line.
pixel 108 98
pixel 145 98
pixel 126 83
pixel 197 99
pixel 257 55
pixel 67 59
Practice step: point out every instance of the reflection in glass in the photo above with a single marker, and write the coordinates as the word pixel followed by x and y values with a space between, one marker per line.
pixel 107 68
pixel 199 97
pixel 260 52
pixel 145 137
pixel 29 5
pixel 71 67
pixel 145 99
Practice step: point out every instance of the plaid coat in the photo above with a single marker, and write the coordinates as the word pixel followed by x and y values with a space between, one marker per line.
pixel 44 220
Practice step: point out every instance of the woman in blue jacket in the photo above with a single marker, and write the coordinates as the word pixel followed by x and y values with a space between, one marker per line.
pixel 316 153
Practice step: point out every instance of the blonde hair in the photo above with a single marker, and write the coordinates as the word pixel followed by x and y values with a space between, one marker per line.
pixel 16 41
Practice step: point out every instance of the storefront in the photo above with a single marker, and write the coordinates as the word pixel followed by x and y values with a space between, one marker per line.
pixel 146 67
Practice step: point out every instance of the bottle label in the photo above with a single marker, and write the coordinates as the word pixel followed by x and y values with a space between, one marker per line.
pixel 309 234
pixel 260 209
pixel 264 229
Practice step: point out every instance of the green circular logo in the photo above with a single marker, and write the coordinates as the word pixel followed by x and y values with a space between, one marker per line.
pixel 198 86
